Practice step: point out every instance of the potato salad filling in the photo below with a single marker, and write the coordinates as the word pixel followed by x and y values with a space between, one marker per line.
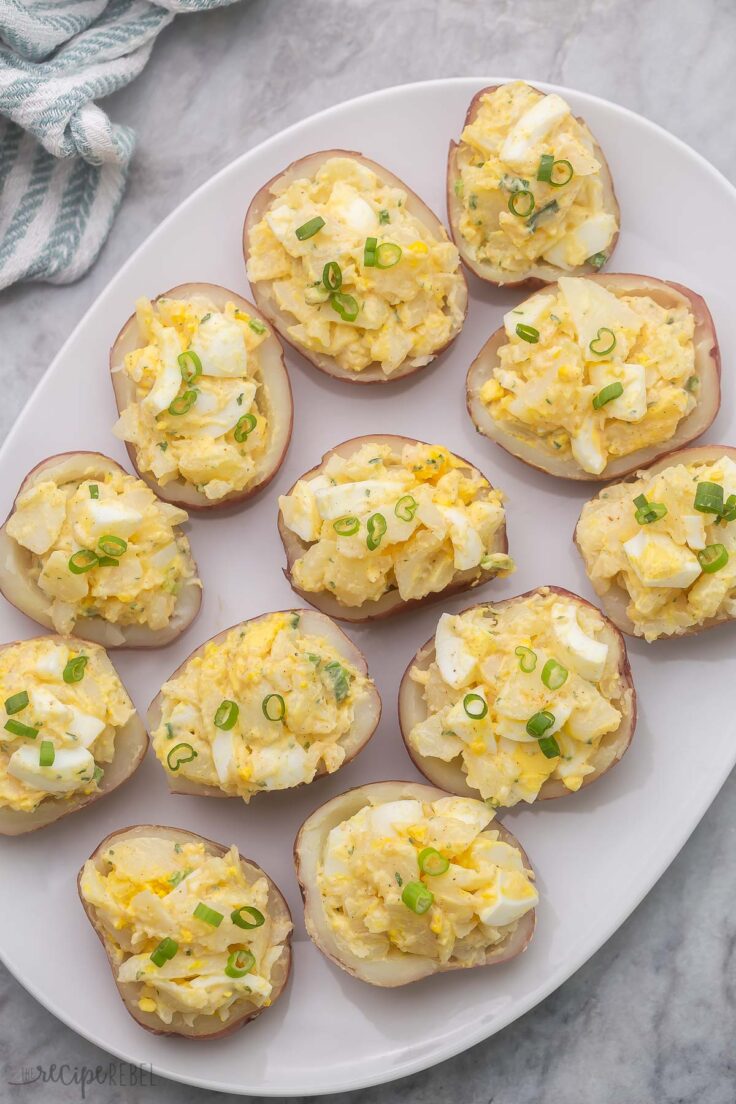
pixel 200 413
pixel 529 182
pixel 591 375
pixel 363 278
pixel 102 545
pixel 263 709
pixel 63 704
pixel 381 520
pixel 423 878
pixel 519 695
pixel 187 925
pixel 669 540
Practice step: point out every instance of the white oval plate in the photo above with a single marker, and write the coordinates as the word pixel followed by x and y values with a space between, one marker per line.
pixel 596 853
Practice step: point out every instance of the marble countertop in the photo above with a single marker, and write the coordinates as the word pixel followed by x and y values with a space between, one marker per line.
pixel 651 1019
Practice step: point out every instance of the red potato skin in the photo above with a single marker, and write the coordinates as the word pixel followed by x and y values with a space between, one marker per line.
pixel 168 492
pixel 699 453
pixel 143 1019
pixel 258 206
pixel 703 317
pixel 552 788
pixel 530 282
pixel 414 603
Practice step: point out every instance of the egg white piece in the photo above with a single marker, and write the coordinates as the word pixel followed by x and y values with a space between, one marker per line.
pixel 384 819
pixel 455 662
pixel 167 384
pixel 587 448
pixel 658 561
pixel 101 516
pixel 586 656
pixel 592 236
pixel 50 665
pixel 277 768
pixel 508 906
pixel 527 314
pixel 70 767
pixel 355 498
pixel 631 406
pixel 531 129
pixel 220 347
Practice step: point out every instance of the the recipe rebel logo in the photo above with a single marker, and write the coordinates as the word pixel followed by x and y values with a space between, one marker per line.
pixel 86 1078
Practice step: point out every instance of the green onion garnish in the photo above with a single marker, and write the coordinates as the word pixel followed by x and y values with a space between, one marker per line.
pixel 647 512
pixel 340 679
pixel 549 747
pixel 406 508
pixel 190 366
pixel 711 559
pixel 538 724
pixel 548 209
pixel 521 203
pixel 345 305
pixel 16 702
pixel 597 260
pixel 608 394
pixel 387 255
pixel 709 498
pixel 309 229
pixel 94 490
pixel 82 561
pixel 692 383
pixel 369 252
pixel 19 729
pixel 111 545
pixel 257 919
pixel 239 963
pixel 182 404
pixel 47 754
pixel 475 706
pixel 604 342
pixel 384 217
pixel 226 715
pixel 180 753
pixel 554 675
pixel 208 915
pixel 346 526
pixel 107 561
pixel 165 951
pixel 527 659
pixel 332 276
pixel 548 166
pixel 244 426
pixel 256 325
pixel 729 510
pixel 527 333
pixel 376 526
pixel 432 862
pixel 417 897
pixel 74 670
pixel 274 707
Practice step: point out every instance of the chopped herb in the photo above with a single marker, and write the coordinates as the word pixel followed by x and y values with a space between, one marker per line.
pixel 459 188
pixel 179 876
pixel 256 326
pixel 295 619
pixel 383 217
pixel 399 879
pixel 169 730
pixel 597 260
pixel 473 202
pixel 548 209
pixel 340 679
pixel 177 848
pixel 163 445
pixel 205 317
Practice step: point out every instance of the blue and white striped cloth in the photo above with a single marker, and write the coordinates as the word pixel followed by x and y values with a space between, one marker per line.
pixel 63 163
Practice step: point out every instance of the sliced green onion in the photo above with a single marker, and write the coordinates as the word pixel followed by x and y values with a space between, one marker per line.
pixel 554 675
pixel 608 394
pixel 257 919
pixel 244 426
pixel 549 747
pixel 180 753
pixel 475 706
pixel 417 897
pixel 538 724
pixel 309 229
pixel 406 508
pixel 548 209
pixel 275 711
pixel 547 167
pixel 527 659
pixel 111 545
pixel 332 276
pixel 345 305
pixel 544 171
pixel 433 862
pixel 16 702
pixel 384 217
pixel 527 333
pixel 226 715
pixel 729 509
pixel 597 260
pixel 346 526
pixel 376 526
pixel 340 679
pixel 74 670
pixel 239 963
pixel 94 490
pixel 19 729
pixel 107 561
pixel 190 365
pixel 256 325
pixel 711 559
pixel 387 255
pixel 604 342
pixel 709 498
pixel 182 404
pixel 647 512
pixel 208 915
pixel 47 754
pixel 521 203
pixel 369 252
pixel 165 951
pixel 83 560
pixel 692 383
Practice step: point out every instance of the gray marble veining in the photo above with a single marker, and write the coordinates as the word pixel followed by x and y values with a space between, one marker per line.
pixel 651 1019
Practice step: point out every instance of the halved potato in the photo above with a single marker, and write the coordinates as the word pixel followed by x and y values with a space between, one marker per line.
pixel 263 289
pixel 451 776
pixel 205 1027
pixel 131 743
pixel 20 589
pixel 707 369
pixel 390 602
pixel 615 599
pixel 274 394
pixel 367 711
pixel 543 272
pixel 398 968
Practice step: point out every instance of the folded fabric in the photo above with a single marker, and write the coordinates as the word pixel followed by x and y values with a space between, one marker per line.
pixel 63 163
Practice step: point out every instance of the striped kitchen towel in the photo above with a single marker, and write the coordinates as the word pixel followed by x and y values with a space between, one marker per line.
pixel 63 163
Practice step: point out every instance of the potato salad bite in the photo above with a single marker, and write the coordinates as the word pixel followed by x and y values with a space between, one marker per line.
pixel 387 522
pixel 269 704
pixel 353 269
pixel 529 193
pixel 401 881
pixel 593 376
pixel 197 937
pixel 69 733
pixel 660 548
pixel 522 700
pixel 203 394
pixel 90 550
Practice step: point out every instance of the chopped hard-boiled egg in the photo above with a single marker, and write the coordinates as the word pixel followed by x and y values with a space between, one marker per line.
pixel 169 909
pixel 62 706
